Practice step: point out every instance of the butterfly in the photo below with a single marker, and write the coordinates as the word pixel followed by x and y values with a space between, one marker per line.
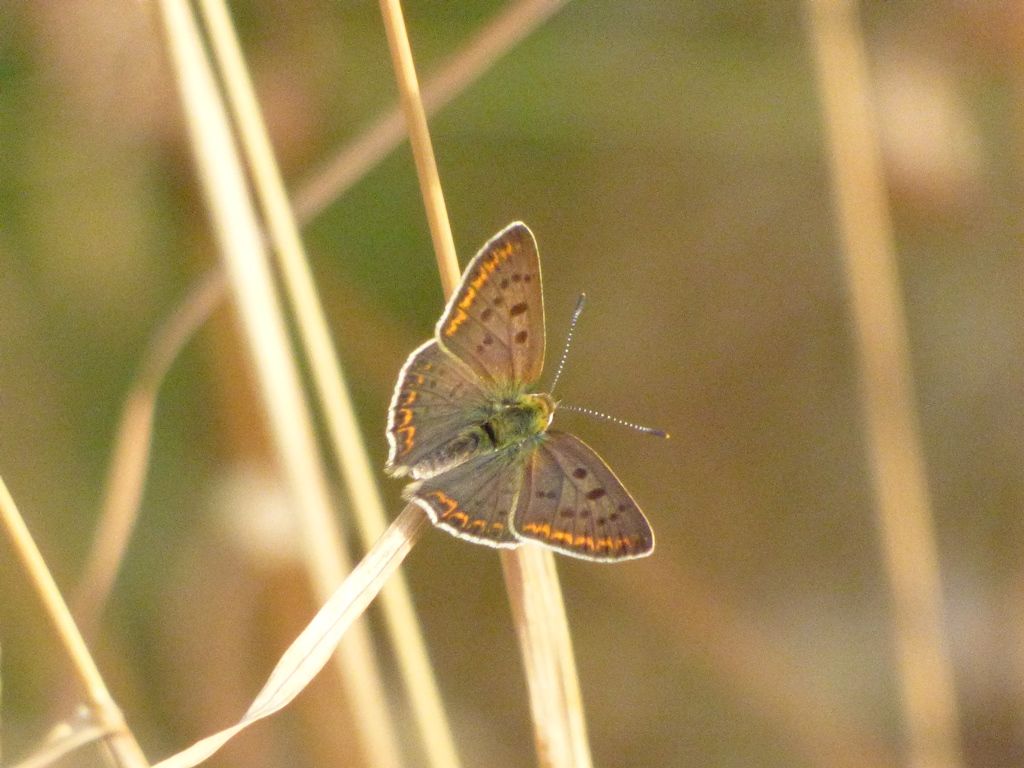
pixel 466 426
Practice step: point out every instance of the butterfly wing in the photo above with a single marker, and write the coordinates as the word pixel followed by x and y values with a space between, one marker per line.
pixel 571 501
pixel 494 322
pixel 474 500
pixel 437 404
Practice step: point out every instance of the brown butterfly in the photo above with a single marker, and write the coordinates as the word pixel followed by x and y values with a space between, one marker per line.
pixel 464 424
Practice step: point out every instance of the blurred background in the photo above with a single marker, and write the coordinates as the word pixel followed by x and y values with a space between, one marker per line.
pixel 670 159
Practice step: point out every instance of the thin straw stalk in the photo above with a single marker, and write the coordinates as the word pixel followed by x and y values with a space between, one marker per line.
pixel 342 426
pixel 248 271
pixel 510 26
pixel 119 739
pixel 126 475
pixel 309 652
pixel 903 506
pixel 531 578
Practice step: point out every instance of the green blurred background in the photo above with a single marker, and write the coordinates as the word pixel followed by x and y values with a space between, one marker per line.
pixel 669 158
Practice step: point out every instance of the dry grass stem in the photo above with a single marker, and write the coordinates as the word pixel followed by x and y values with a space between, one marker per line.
pixel 754 636
pixel 105 712
pixel 248 271
pixel 422 147
pixel 129 462
pixel 535 594
pixel 311 650
pixel 897 463
pixel 126 478
pixel 127 473
pixel 335 401
pixel 509 27
pixel 64 739
pixel 547 657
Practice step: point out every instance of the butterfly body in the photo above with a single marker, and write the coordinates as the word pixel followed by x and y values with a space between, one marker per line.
pixel 518 419
pixel 465 426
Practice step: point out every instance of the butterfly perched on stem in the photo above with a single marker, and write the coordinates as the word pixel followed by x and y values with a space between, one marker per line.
pixel 465 425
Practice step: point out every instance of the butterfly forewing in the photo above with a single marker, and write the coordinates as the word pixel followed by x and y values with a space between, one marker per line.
pixel 474 500
pixel 436 401
pixel 494 321
pixel 571 501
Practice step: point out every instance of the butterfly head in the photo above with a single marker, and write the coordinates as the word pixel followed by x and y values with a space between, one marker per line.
pixel 544 409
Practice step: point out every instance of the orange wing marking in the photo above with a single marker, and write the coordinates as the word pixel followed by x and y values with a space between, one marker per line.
pixel 589 543
pixel 484 270
pixel 451 508
pixel 451 512
pixel 405 430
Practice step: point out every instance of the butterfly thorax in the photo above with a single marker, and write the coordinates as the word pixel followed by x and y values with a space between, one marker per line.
pixel 518 418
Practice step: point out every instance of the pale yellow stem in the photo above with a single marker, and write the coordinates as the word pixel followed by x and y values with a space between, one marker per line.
pixel 531 578
pixel 237 231
pixel 422 148
pixel 119 739
pixel 336 403
pixel 898 474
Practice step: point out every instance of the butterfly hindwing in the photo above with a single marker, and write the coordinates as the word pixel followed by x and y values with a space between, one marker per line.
pixel 494 321
pixel 474 500
pixel 437 399
pixel 571 501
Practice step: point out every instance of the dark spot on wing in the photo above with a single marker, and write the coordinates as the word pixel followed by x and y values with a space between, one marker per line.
pixel 579 472
pixel 488 339
pixel 521 337
pixel 504 283
pixel 518 309
pixel 516 277
pixel 597 493
pixel 487 314
pixel 497 301
pixel 567 512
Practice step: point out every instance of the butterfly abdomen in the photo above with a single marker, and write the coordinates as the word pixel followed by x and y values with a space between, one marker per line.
pixel 456 452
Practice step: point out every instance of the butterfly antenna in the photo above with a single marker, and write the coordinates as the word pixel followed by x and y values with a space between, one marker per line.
pixel 615 419
pixel 580 302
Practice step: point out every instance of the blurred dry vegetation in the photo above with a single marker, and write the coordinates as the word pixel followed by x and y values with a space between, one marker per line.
pixel 670 158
